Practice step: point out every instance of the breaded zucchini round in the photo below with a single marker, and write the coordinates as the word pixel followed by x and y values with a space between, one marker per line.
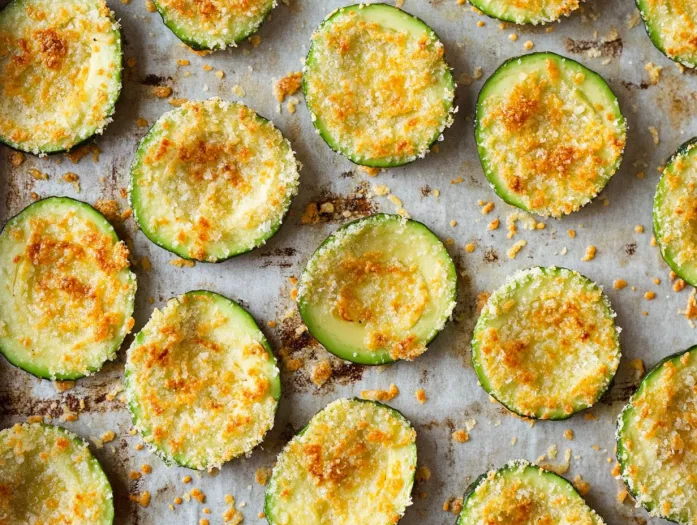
pixel 377 85
pixel 213 24
pixel 66 290
pixel 212 180
pixel 201 381
pixel 675 212
pixel 48 475
pixel 672 27
pixel 60 72
pixel 524 494
pixel 549 132
pixel 657 439
pixel 353 464
pixel 546 345
pixel 378 289
pixel 527 11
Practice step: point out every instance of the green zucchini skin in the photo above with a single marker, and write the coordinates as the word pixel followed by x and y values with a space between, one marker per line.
pixel 529 19
pixel 346 351
pixel 684 150
pixel 623 453
pixel 269 510
pixel 94 465
pixel 106 227
pixel 654 35
pixel 198 44
pixel 510 468
pixel 115 96
pixel 135 409
pixel 480 133
pixel 514 284
pixel 325 134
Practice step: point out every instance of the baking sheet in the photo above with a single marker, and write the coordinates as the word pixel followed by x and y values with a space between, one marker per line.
pixel 600 36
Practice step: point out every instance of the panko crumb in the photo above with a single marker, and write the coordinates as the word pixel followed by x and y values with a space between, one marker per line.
pixel 74 179
pixel 288 85
pixel 182 263
pixel 162 91
pixel 569 434
pixel 17 158
pixel 421 396
pixel 142 499
pixel 619 284
pixel 461 436
pixel 262 476
pixel 591 250
pixel 321 372
pixel 513 250
pixel 583 487
pixel 654 135
pixel 423 473
pixel 381 395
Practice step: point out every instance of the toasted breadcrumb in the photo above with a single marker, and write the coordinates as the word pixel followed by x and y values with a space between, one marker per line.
pixel 421 396
pixel 17 158
pixel 590 253
pixel 679 285
pixel 513 250
pixel 162 91
pixel 423 473
pixel 650 295
pixel 288 85
pixel 108 436
pixel 262 476
pixel 182 263
pixel 461 436
pixel 381 395
pixel 619 284
pixel 142 499
pixel 569 434
pixel 321 372
pixel 38 175
pixel 583 487
pixel 654 135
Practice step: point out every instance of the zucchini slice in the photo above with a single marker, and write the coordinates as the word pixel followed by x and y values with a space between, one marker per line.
pixel 201 381
pixel 353 464
pixel 527 11
pixel 657 439
pixel 377 85
pixel 672 25
pixel 524 494
pixel 546 345
pixel 212 180
pixel 213 24
pixel 66 290
pixel 675 212
pixel 60 73
pixel 48 475
pixel 378 289
pixel 549 132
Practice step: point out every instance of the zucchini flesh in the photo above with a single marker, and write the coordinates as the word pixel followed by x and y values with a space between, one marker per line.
pixel 353 464
pixel 527 11
pixel 675 212
pixel 48 475
pixel 213 24
pixel 377 85
pixel 672 25
pixel 379 289
pixel 657 439
pixel 549 132
pixel 57 50
pixel 212 180
pixel 201 381
pixel 546 345
pixel 66 290
pixel 524 494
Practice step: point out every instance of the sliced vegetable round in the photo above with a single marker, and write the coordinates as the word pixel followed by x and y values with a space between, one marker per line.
pixel 549 132
pixel 353 464
pixel 377 85
pixel 66 291
pixel 60 72
pixel 546 345
pixel 527 11
pixel 657 439
pixel 213 24
pixel 212 180
pixel 672 25
pixel 377 290
pixel 675 212
pixel 201 381
pixel 524 494
pixel 48 475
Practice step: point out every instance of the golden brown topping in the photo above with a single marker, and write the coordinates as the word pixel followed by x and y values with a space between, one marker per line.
pixel 288 85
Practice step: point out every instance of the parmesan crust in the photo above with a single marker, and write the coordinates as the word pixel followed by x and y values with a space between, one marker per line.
pixel 377 85
pixel 67 51
pixel 66 291
pixel 381 286
pixel 672 25
pixel 527 11
pixel 354 463
pixel 212 180
pixel 214 24
pixel 657 436
pixel 48 475
pixel 546 344
pixel 202 383
pixel 675 212
pixel 523 494
pixel 550 133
